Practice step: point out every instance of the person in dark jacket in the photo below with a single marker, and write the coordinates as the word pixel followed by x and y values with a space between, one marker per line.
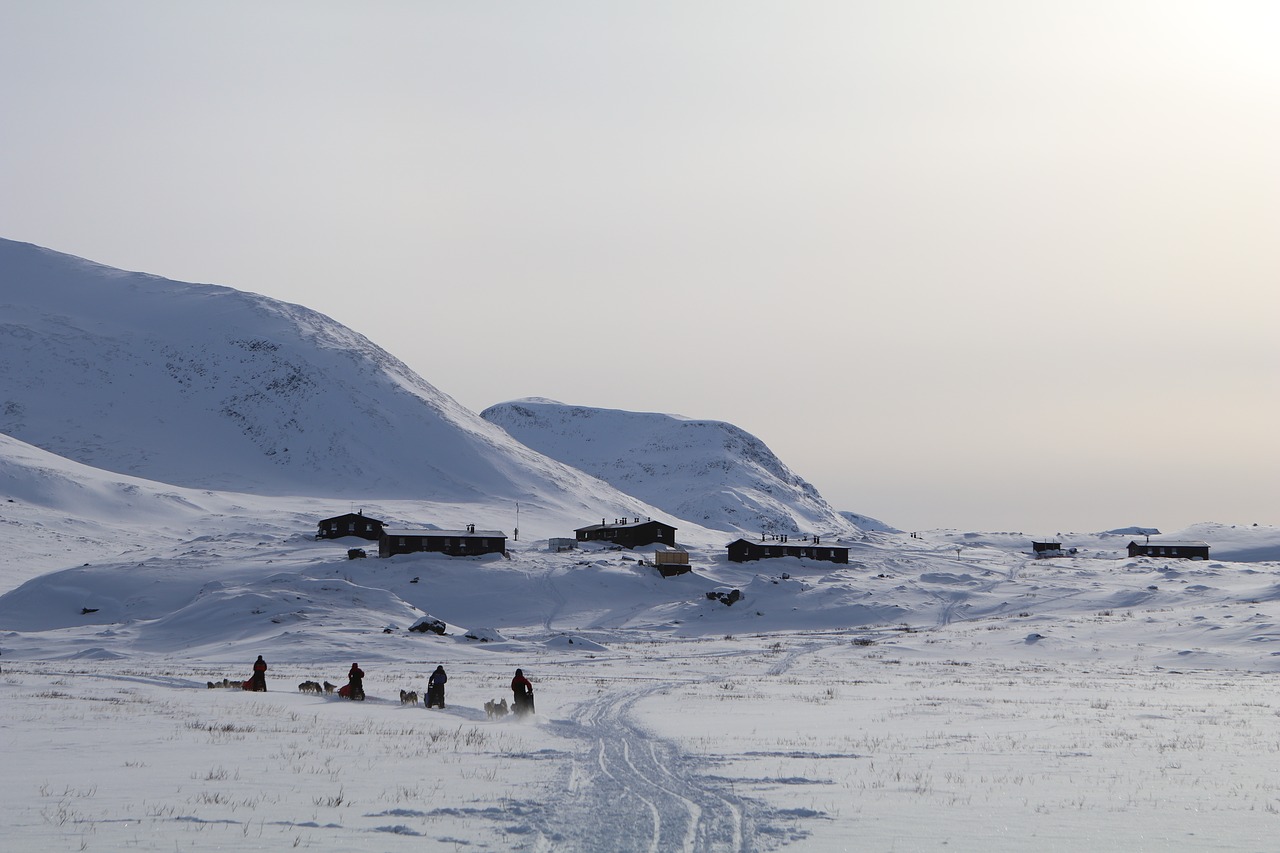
pixel 355 682
pixel 435 687
pixel 523 702
pixel 258 683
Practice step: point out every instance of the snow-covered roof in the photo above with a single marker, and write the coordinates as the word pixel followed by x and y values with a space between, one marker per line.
pixel 788 543
pixel 454 534
pixel 639 523
pixel 1170 543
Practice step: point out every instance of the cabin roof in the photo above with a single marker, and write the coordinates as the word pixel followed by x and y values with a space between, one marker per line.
pixel 798 543
pixel 347 515
pixel 1172 543
pixel 640 523
pixel 452 534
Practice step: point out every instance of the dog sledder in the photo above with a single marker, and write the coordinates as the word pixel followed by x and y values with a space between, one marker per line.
pixel 258 681
pixel 354 688
pixel 435 688
pixel 523 702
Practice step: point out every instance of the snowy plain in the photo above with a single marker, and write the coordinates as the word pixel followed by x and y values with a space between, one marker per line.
pixel 945 690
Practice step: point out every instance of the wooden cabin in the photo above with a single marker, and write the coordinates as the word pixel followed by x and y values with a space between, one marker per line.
pixel 628 532
pixel 351 524
pixel 745 550
pixel 1169 548
pixel 672 563
pixel 455 543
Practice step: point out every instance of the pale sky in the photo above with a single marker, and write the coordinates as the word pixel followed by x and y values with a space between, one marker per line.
pixel 988 265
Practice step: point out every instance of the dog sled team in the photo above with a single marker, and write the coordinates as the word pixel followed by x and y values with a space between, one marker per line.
pixel 521 689
pixel 521 702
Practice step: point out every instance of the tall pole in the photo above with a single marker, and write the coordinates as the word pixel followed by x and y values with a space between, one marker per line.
pixel 517 538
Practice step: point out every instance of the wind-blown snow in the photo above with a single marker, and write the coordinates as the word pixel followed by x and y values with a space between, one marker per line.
pixel 710 472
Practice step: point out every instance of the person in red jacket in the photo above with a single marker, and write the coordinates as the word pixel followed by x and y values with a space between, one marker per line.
pixel 523 702
pixel 355 682
pixel 258 683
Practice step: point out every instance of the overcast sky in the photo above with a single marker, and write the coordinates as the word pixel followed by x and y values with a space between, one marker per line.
pixel 988 265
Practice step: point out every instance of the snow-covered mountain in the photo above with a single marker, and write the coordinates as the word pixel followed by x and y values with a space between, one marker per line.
pixel 138 596
pixel 710 472
pixel 204 386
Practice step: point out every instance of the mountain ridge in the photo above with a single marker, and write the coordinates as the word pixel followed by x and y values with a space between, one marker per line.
pixel 711 472
pixel 205 386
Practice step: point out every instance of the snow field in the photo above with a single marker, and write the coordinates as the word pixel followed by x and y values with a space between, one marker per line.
pixel 878 749
pixel 822 742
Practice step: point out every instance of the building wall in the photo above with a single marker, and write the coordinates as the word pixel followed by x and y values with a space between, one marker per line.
pixel 1182 552
pixel 633 536
pixel 742 551
pixel 453 546
pixel 350 525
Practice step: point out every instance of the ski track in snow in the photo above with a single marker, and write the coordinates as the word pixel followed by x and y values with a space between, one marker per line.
pixel 644 791
pixel 631 791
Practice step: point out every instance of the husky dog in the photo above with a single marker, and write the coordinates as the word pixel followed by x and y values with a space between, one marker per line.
pixel 408 697
pixel 329 688
pixel 309 687
pixel 496 709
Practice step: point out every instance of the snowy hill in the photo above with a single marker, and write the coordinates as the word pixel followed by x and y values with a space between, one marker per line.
pixel 121 599
pixel 934 673
pixel 709 472
pixel 208 387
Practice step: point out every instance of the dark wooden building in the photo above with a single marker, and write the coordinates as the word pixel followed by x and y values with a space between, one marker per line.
pixel 1168 548
pixel 629 532
pixel 1041 547
pixel 744 550
pixel 351 524
pixel 455 543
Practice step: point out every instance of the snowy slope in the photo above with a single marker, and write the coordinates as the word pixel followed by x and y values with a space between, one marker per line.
pixel 710 472
pixel 937 678
pixel 208 387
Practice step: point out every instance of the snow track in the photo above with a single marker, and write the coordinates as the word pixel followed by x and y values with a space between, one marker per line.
pixel 631 791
